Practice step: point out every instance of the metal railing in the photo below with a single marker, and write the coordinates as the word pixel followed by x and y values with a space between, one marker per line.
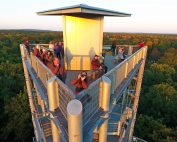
pixel 121 71
pixel 42 71
pixel 90 100
pixel 40 134
pixel 44 74
pixel 116 75
pixel 65 96
pixel 112 128
pixel 90 96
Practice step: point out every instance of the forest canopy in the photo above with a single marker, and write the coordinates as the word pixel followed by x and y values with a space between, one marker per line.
pixel 157 115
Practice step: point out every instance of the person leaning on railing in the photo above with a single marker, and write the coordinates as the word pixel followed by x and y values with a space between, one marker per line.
pixel 43 54
pixel 49 59
pixel 121 53
pixel 141 44
pixel 26 43
pixel 58 70
pixel 36 52
pixel 81 82
pixel 97 65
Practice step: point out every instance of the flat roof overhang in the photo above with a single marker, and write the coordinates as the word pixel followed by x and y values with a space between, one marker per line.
pixel 83 10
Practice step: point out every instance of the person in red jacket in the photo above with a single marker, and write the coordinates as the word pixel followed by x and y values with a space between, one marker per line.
pixel 26 43
pixel 95 63
pixel 58 70
pixel 49 59
pixel 141 44
pixel 42 55
pixel 81 82
pixel 36 52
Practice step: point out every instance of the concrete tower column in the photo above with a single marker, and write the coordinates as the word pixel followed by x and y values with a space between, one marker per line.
pixel 74 114
pixel 106 91
pixel 52 90
pixel 83 38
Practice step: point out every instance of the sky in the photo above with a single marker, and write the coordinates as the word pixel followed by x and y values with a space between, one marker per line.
pixel 148 16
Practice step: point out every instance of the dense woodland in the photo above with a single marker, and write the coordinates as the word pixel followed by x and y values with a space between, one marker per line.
pixel 157 112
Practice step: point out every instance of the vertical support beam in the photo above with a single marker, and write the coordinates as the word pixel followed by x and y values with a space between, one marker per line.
pixel 52 90
pixel 74 115
pixel 137 91
pixel 139 81
pixel 106 87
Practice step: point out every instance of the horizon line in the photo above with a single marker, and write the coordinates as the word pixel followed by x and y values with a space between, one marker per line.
pixel 103 31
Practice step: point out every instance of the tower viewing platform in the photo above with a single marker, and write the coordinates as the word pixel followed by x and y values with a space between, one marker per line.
pixel 103 112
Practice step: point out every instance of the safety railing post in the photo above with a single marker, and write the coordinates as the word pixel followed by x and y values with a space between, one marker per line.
pixel 106 91
pixel 74 115
pixel 126 69
pixel 52 92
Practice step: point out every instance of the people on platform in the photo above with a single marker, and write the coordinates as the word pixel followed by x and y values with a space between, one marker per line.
pixel 36 52
pixel 98 65
pixel 58 70
pixel 26 43
pixel 53 63
pixel 121 53
pixel 43 55
pixel 101 60
pixel 51 46
pixel 62 50
pixel 81 82
pixel 113 48
pixel 58 49
pixel 141 44
pixel 49 59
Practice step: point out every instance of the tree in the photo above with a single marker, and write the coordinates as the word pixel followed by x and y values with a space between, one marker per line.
pixel 19 126
pixel 159 102
pixel 155 54
pixel 153 130
pixel 170 57
pixel 158 73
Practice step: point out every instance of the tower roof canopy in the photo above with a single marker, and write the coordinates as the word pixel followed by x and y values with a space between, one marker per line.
pixel 83 10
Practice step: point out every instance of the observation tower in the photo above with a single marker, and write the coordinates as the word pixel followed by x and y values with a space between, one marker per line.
pixel 106 110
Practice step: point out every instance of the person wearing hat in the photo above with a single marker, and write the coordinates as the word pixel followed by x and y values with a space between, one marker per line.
pixel 81 82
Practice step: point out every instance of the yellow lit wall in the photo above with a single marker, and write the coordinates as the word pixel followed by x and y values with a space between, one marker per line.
pixel 83 38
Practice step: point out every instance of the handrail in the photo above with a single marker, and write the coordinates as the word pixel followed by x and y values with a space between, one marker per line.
pixel 121 71
pixel 44 74
pixel 90 100
pixel 90 96
pixel 124 69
